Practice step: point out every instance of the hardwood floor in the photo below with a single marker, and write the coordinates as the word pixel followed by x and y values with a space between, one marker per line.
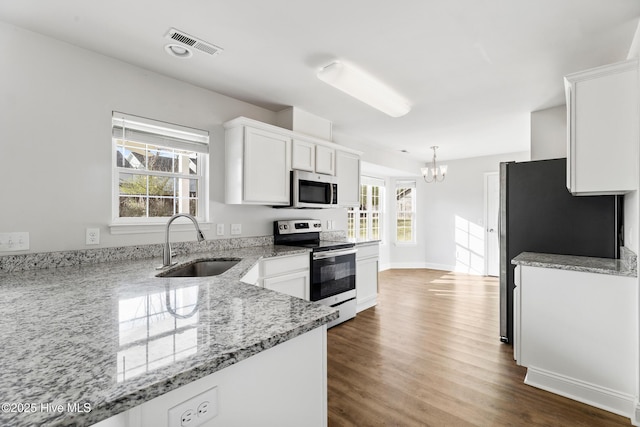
pixel 429 355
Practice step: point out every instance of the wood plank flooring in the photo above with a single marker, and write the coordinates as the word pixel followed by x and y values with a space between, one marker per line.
pixel 429 355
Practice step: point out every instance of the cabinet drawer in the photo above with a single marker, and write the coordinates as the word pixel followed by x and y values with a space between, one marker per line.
pixel 284 264
pixel 367 251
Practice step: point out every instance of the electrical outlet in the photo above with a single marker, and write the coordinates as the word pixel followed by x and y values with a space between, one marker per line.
pixel 92 236
pixel 236 228
pixel 195 411
pixel 18 241
pixel 220 229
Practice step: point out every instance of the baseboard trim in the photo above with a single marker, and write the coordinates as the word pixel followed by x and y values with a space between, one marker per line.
pixel 411 265
pixel 368 303
pixel 636 420
pixel 591 394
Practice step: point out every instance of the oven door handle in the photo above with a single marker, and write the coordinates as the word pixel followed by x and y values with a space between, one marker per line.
pixel 332 254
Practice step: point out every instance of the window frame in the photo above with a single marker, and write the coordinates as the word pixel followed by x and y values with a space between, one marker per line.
pixel 413 212
pixel 354 213
pixel 162 135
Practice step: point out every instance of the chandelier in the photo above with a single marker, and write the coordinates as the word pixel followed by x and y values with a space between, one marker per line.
pixel 434 173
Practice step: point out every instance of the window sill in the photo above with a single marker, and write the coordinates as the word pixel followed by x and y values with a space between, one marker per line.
pixel 154 227
pixel 405 243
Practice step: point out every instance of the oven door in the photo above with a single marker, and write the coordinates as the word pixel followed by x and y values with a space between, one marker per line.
pixel 332 273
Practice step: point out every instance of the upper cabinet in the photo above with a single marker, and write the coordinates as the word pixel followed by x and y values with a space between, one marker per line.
pixel 603 130
pixel 348 173
pixel 259 159
pixel 312 157
pixel 257 166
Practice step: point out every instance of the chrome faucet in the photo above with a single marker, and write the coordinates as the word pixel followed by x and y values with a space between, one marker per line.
pixel 166 251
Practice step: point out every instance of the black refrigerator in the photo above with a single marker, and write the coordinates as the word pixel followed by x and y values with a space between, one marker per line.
pixel 538 214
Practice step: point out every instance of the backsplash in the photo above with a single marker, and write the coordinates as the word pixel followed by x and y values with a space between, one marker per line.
pixel 91 256
pixel 36 261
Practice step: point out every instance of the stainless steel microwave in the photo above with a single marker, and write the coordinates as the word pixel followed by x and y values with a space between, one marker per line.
pixel 313 190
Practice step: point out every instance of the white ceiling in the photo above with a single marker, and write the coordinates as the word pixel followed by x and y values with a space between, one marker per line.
pixel 472 69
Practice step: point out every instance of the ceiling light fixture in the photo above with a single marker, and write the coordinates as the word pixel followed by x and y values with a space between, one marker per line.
pixel 364 87
pixel 436 172
pixel 178 51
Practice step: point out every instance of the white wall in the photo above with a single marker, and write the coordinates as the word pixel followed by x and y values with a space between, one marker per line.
pixel 450 223
pixel 549 133
pixel 56 102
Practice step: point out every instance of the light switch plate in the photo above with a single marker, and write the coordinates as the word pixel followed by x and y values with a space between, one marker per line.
pixel 16 241
pixel 236 228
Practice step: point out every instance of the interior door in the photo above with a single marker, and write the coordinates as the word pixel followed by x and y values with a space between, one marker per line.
pixel 492 212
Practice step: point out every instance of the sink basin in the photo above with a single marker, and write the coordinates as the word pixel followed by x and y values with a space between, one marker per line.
pixel 201 268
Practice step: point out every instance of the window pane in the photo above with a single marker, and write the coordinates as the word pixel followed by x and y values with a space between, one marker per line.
pixel 133 184
pixel 130 155
pixel 160 159
pixel 161 186
pixel 161 206
pixel 404 227
pixel 351 227
pixel 375 226
pixel 133 206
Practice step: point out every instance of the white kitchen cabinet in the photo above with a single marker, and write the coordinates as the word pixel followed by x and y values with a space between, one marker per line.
pixel 325 160
pixel 577 334
pixel 258 162
pixel 308 156
pixel 367 260
pixel 303 155
pixel 348 174
pixel 287 274
pixel 285 385
pixel 603 130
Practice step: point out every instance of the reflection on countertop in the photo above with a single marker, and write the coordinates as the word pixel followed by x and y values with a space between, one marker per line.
pixel 114 335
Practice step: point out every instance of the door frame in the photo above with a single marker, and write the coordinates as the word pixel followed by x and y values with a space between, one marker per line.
pixel 487 176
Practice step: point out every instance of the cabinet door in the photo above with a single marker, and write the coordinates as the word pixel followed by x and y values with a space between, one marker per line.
pixel 325 160
pixel 294 284
pixel 603 129
pixel 366 283
pixel 348 173
pixel 266 167
pixel 303 155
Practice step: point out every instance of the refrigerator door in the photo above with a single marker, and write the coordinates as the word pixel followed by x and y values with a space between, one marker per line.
pixel 538 214
pixel 504 261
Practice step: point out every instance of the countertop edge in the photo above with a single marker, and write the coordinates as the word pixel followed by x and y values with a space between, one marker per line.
pixel 614 267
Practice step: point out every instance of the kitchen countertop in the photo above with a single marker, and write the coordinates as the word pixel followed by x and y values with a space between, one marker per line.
pixel 112 336
pixel 575 263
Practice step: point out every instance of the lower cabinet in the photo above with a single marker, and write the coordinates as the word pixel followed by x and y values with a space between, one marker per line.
pixel 367 260
pixel 287 274
pixel 577 334
pixel 285 385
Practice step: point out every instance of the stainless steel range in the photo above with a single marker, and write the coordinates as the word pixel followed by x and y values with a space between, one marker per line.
pixel 333 265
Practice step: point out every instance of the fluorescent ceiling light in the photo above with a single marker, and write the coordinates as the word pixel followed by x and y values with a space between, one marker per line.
pixel 365 88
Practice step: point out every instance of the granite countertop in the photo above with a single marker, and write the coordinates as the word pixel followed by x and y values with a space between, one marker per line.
pixel 614 267
pixel 111 336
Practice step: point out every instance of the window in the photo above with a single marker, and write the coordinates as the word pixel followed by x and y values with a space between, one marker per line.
pixel 405 211
pixel 159 169
pixel 365 221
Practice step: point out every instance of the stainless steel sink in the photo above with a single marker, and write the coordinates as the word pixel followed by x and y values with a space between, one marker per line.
pixel 201 268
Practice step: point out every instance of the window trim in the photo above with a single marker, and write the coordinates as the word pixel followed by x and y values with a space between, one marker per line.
pixel 166 135
pixel 405 183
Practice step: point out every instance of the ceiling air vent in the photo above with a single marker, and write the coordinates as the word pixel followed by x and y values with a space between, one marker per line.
pixel 193 42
